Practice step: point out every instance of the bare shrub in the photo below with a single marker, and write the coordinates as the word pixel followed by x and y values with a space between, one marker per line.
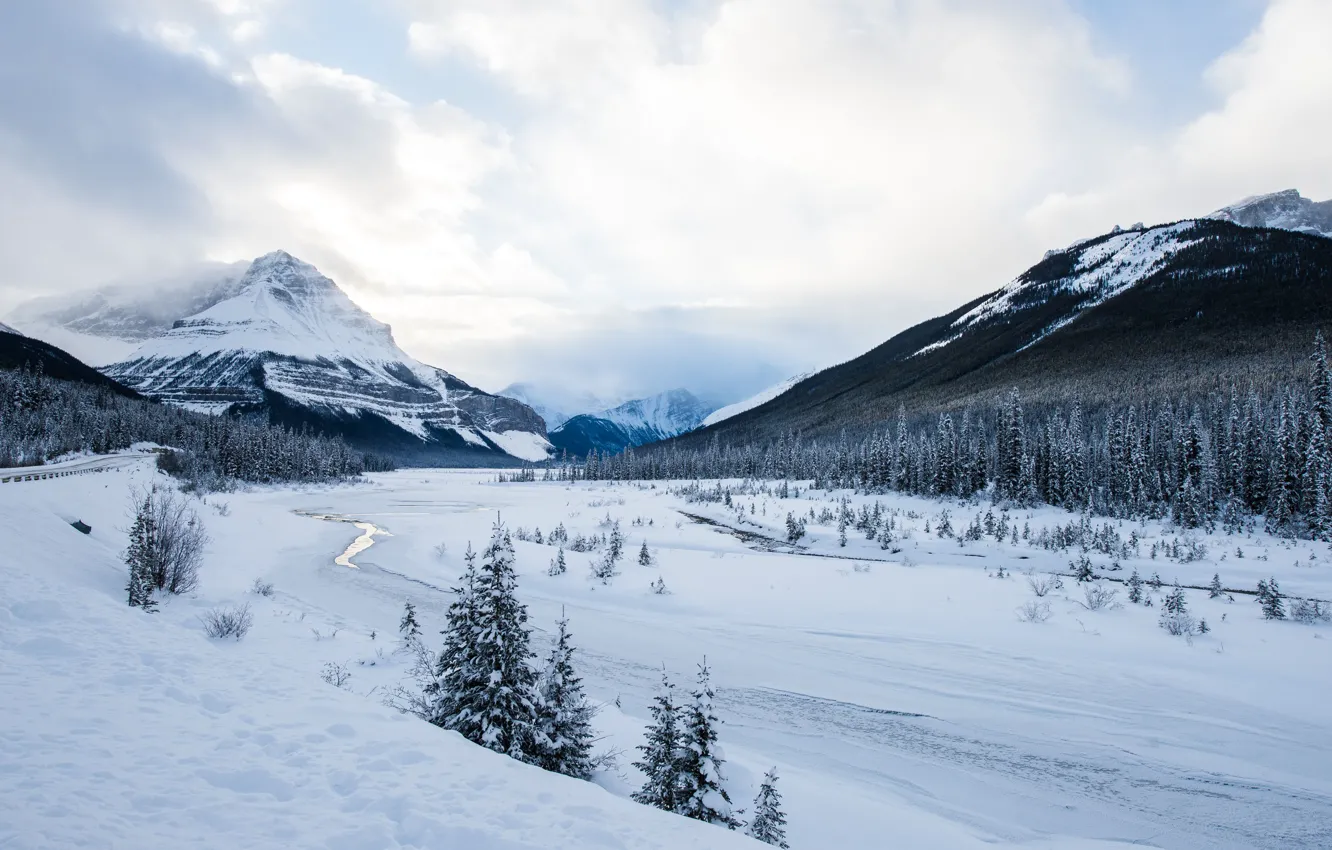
pixel 262 588
pixel 415 696
pixel 167 540
pixel 1099 597
pixel 1310 611
pixel 1032 611
pixel 232 622
pixel 441 551
pixel 1044 585
pixel 336 675
pixel 1179 624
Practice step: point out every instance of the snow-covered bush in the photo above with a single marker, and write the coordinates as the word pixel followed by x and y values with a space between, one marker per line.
pixel 1044 585
pixel 659 587
pixel 1099 597
pixel 1032 611
pixel 166 544
pixel 1175 617
pixel 262 588
pixel 1310 611
pixel 1178 624
pixel 223 622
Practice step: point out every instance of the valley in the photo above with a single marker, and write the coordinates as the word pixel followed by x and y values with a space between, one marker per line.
pixel 895 691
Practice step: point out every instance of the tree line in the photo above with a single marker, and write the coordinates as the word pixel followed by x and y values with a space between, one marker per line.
pixel 1228 458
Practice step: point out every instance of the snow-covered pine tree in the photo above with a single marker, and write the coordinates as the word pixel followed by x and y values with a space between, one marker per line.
pixel 498 708
pixel 1214 589
pixel 1175 617
pixel 1135 587
pixel 615 544
pixel 644 556
pixel 702 796
pixel 660 763
pixel 1269 596
pixel 564 743
pixel 409 628
pixel 557 566
pixel 455 671
pixel 1175 603
pixel 140 557
pixel 769 822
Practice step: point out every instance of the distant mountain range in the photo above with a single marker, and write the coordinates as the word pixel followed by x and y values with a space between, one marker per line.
pixel 634 423
pixel 1184 307
pixel 279 339
pixel 556 406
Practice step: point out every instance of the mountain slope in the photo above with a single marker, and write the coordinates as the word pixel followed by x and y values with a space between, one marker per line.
pixel 20 352
pixel 761 397
pixel 1162 310
pixel 289 344
pixel 633 423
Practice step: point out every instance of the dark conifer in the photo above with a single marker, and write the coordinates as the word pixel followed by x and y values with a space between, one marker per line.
pixel 768 824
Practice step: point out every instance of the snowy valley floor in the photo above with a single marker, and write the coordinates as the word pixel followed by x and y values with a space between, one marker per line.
pixel 902 700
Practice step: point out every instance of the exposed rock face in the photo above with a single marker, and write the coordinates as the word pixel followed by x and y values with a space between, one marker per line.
pixel 1285 210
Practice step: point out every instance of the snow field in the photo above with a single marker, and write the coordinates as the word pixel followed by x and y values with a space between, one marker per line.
pixel 903 702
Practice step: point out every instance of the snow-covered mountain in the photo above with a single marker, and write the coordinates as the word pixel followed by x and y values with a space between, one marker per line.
pixel 288 342
pixel 761 397
pixel 4 328
pixel 557 406
pixel 634 423
pixel 105 325
pixel 1168 308
pixel 1285 210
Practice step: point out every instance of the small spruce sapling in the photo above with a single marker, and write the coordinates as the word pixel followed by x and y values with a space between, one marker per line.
pixel 644 556
pixel 409 628
pixel 769 822
pixel 1135 587
pixel 1214 589
pixel 557 565
pixel 1269 596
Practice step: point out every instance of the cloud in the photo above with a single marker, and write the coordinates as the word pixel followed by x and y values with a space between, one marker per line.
pixel 711 193
pixel 1266 130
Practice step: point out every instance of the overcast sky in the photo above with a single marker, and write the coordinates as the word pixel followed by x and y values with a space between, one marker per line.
pixel 628 195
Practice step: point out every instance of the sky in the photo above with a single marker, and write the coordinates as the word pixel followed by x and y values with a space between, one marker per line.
pixel 624 196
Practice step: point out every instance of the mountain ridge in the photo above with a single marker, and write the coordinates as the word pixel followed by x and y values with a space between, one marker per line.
pixel 633 423
pixel 1168 308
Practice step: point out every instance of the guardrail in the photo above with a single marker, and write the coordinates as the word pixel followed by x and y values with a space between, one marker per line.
pixel 55 473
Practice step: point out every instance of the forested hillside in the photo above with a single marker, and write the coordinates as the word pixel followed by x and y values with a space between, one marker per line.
pixel 1179 310
pixel 42 418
